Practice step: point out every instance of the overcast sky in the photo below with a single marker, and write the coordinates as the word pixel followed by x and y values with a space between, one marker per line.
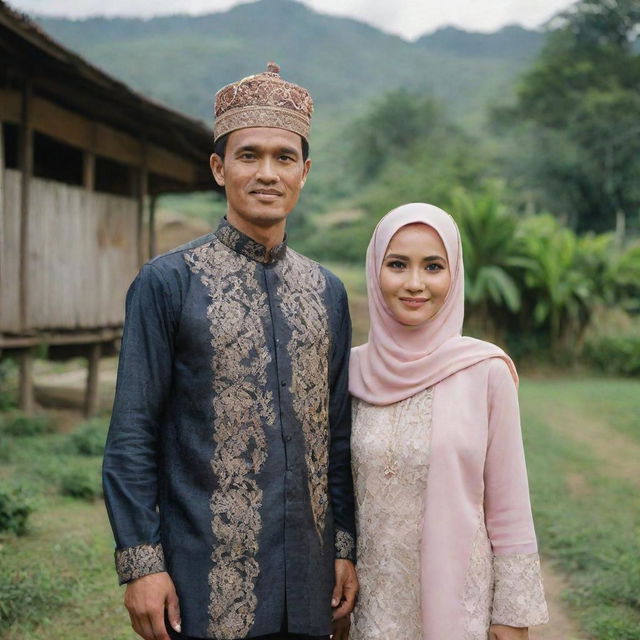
pixel 408 18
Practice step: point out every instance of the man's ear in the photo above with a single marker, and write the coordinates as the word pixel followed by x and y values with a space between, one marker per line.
pixel 217 168
pixel 305 173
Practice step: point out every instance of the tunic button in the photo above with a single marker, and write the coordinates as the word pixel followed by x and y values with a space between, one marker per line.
pixel 283 383
pixel 287 438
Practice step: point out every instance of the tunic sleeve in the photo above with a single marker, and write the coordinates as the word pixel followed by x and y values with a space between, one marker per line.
pixel 130 465
pixel 340 479
pixel 518 597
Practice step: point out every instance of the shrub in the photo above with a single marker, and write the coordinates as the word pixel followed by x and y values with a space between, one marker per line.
pixel 15 508
pixel 26 594
pixel 89 438
pixel 20 425
pixel 7 375
pixel 615 353
pixel 5 446
pixel 81 484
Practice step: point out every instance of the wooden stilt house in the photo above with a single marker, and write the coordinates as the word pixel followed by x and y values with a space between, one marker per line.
pixel 82 160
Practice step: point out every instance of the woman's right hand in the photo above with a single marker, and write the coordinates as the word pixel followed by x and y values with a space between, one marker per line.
pixel 502 632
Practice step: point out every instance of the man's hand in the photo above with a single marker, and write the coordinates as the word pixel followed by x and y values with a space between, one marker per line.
pixel 146 600
pixel 344 594
pixel 501 632
pixel 341 627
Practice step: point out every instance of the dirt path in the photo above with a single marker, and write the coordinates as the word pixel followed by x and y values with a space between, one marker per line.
pixel 561 626
pixel 58 390
pixel 617 454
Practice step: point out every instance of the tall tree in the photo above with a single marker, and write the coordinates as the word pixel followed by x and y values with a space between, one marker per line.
pixel 579 108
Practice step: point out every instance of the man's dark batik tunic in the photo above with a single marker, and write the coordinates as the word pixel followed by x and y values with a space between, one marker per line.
pixel 228 459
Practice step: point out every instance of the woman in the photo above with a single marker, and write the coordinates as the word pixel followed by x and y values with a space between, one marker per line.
pixel 447 548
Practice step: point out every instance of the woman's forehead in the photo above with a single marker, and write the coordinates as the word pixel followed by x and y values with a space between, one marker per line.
pixel 415 236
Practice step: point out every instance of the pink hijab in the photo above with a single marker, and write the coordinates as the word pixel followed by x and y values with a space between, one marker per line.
pixel 399 361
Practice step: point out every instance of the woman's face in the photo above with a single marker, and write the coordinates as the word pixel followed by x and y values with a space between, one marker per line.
pixel 415 275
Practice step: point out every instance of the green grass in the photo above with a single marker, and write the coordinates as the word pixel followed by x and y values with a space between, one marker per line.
pixel 57 581
pixel 582 443
pixel 585 499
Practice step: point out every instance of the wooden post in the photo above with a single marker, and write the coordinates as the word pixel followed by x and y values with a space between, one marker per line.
pixel 142 187
pixel 89 161
pixel 26 400
pixel 92 397
pixel 2 240
pixel 26 167
pixel 89 171
pixel 152 225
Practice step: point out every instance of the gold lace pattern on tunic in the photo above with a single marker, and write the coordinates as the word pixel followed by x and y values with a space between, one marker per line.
pixel 242 408
pixel 301 296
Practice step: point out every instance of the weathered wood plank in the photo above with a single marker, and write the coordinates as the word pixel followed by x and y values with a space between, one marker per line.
pixel 10 253
pixel 25 153
pixel 169 164
pixel 84 256
pixel 10 106
pixel 2 239
pixel 62 124
pixel 72 128
pixel 118 146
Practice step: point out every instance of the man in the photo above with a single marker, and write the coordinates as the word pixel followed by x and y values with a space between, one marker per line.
pixel 227 468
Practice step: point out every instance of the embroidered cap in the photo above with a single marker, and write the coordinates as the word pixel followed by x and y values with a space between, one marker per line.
pixel 263 100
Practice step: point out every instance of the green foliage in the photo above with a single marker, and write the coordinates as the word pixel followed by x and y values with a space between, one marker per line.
pixel 31 593
pixel 80 483
pixel 614 353
pixel 15 508
pixel 393 151
pixel 8 371
pixel 625 273
pixel 21 425
pixel 487 231
pixel 557 293
pixel 580 141
pixel 89 438
pixel 394 128
pixel 340 243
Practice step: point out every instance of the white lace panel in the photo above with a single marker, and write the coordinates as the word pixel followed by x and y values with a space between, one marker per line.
pixel 519 596
pixel 478 590
pixel 390 457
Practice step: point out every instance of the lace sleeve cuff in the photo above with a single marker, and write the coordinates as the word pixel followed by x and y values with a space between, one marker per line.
pixel 345 546
pixel 518 599
pixel 135 562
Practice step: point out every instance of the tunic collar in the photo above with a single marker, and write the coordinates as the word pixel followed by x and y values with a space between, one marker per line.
pixel 243 244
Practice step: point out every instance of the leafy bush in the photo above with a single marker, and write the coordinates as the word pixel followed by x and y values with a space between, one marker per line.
pixel 26 593
pixel 81 484
pixel 89 438
pixel 7 374
pixel 20 425
pixel 614 353
pixel 5 445
pixel 15 508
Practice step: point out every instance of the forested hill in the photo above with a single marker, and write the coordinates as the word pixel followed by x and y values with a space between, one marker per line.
pixel 181 60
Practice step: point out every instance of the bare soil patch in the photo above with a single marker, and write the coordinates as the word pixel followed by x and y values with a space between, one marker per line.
pixel 561 626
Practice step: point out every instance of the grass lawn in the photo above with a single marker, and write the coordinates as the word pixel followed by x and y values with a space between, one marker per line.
pixel 583 452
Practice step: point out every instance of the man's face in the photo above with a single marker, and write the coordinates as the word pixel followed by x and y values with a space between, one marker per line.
pixel 262 173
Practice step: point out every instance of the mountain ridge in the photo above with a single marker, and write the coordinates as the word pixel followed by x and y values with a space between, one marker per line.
pixel 182 59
